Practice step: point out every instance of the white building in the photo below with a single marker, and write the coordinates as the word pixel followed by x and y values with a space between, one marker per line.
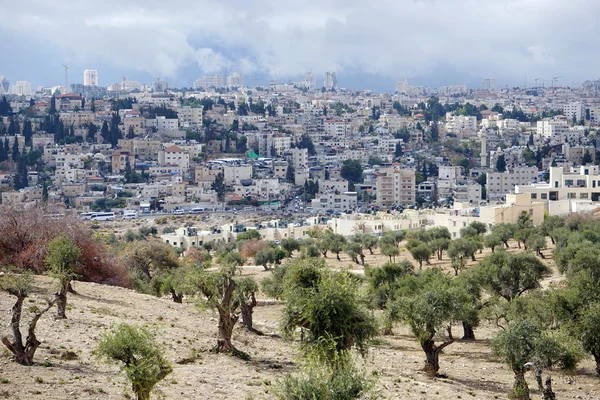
pixel 461 125
pixel 582 183
pixel 335 127
pixel 552 127
pixel 236 80
pixel 335 201
pixel 90 77
pixel 164 124
pixel 330 81
pixel 174 155
pixel 216 80
pixel 575 109
pixel 21 88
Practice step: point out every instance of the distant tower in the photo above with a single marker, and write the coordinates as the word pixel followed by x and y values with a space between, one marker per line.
pixel 483 149
pixel 90 77
pixel 330 81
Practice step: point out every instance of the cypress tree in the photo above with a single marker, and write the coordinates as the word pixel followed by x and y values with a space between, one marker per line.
pixel 15 149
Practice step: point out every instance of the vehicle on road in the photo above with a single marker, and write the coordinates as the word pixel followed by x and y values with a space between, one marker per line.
pixel 103 216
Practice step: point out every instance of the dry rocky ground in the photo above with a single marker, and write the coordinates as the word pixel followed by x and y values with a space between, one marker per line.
pixel 67 369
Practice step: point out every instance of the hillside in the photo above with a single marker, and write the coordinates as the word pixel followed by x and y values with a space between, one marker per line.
pixel 188 334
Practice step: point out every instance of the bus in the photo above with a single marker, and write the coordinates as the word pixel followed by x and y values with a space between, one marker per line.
pixel 103 216
pixel 197 210
pixel 130 214
pixel 86 215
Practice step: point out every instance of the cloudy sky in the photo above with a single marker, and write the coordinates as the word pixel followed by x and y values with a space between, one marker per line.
pixel 370 44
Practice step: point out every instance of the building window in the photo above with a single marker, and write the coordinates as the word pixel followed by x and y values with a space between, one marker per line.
pixel 534 195
pixel 544 196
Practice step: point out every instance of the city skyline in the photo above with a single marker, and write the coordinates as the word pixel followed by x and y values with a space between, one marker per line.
pixel 373 46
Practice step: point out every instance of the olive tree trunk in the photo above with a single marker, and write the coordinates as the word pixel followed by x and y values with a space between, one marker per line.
pixel 548 393
pixel 247 309
pixel 432 355
pixel 227 319
pixel 520 387
pixel 177 298
pixel 61 300
pixel 23 352
pixel 597 359
pixel 468 332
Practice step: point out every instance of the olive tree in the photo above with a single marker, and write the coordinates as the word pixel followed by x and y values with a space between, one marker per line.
pixel 460 250
pixel 526 344
pixel 421 252
pixel 427 304
pixel 504 231
pixel 245 295
pixel 141 356
pixel 509 275
pixel 62 261
pixel 330 309
pixel 147 261
pixel 216 289
pixel 20 286
pixel 383 283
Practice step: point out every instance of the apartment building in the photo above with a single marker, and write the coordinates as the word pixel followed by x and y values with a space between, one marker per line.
pixel 461 125
pixel 501 183
pixel 174 155
pixel 164 124
pixel 552 127
pixel 119 160
pixel 395 186
pixel 575 109
pixel 189 116
pixel 334 127
pixel 133 119
pixel 77 119
pixel 581 183
pixel 144 149
pixel 336 201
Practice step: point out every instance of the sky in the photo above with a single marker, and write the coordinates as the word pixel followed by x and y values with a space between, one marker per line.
pixel 369 44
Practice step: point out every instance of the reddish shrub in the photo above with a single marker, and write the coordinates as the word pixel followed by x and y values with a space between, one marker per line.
pixel 24 235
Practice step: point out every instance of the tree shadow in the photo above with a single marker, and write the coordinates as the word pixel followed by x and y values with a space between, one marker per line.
pixel 484 386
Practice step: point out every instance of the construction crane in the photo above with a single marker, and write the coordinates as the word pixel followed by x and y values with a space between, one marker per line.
pixel 555 80
pixel 66 77
pixel 536 82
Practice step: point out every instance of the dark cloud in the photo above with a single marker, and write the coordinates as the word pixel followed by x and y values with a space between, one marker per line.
pixel 429 41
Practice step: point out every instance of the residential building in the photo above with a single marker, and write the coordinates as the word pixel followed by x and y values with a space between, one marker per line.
pixel 552 127
pixel 90 77
pixel 582 183
pixel 236 80
pixel 330 81
pixel 335 201
pixel 174 155
pixel 189 116
pixel 395 186
pixel 21 88
pixel 574 110
pixel 216 80
pixel 119 160
pixel 501 183
pixel 164 124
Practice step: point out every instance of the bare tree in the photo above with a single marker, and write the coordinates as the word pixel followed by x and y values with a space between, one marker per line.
pixel 19 286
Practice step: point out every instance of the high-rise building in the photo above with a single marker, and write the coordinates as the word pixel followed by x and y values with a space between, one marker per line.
pixel 22 88
pixel 90 77
pixel 235 80
pixel 216 80
pixel 330 81
pixel 4 85
pixel 310 82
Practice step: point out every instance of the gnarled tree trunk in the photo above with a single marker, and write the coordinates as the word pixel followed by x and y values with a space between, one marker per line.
pixel 597 359
pixel 227 319
pixel 432 355
pixel 247 311
pixel 520 387
pixel 23 352
pixel 61 300
pixel 548 393
pixel 177 298
pixel 468 332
